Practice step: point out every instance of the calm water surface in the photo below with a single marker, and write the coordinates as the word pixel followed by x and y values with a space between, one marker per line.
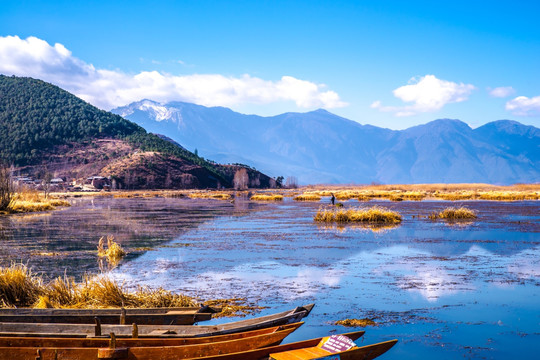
pixel 445 290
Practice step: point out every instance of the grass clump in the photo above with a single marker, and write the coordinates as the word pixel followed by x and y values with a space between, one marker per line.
pixel 32 201
pixel 263 197
pixel 18 286
pixel 114 252
pixel 307 197
pixel 375 214
pixel 356 322
pixel 211 195
pixel 454 213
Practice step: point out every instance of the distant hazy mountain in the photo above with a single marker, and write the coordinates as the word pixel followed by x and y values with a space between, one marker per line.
pixel 320 147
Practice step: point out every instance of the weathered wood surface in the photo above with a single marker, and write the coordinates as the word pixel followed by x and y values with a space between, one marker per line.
pixel 78 330
pixel 56 342
pixel 145 353
pixel 153 316
pixel 264 353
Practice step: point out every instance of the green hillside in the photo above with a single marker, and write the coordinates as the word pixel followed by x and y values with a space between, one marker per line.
pixel 36 117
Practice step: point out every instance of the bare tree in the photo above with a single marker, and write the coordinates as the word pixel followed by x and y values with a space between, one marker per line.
pixel 47 177
pixel 291 182
pixel 6 187
pixel 241 179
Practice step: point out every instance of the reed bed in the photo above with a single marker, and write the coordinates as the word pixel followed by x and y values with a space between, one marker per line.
pixel 454 213
pixel 264 197
pixel 307 197
pixel 211 195
pixel 418 192
pixel 375 214
pixel 19 287
pixel 32 201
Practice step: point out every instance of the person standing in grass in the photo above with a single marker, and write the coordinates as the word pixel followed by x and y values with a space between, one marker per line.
pixel 333 198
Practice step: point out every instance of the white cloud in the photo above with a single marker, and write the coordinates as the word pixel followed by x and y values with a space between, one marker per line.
pixel 524 106
pixel 106 89
pixel 427 94
pixel 502 91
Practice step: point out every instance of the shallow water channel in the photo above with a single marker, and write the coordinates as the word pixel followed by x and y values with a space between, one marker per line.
pixel 445 290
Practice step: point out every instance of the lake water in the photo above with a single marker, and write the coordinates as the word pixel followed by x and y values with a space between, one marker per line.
pixel 444 290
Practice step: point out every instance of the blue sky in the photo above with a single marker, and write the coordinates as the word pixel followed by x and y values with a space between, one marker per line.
pixel 388 63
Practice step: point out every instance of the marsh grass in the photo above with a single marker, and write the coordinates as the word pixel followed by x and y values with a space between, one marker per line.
pixel 18 286
pixel 454 213
pixel 375 214
pixel 32 201
pixel 211 195
pixel 21 288
pixel 418 192
pixel 307 197
pixel 114 252
pixel 264 197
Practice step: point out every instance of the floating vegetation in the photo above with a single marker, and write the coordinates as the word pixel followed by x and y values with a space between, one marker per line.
pixel 356 322
pixel 114 252
pixel 263 197
pixel 21 288
pixel 454 213
pixel 375 214
pixel 233 307
pixel 307 197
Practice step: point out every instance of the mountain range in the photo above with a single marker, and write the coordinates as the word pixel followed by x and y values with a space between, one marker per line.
pixel 46 130
pixel 321 147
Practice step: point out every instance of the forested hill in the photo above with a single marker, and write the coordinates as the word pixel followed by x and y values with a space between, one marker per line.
pixel 40 122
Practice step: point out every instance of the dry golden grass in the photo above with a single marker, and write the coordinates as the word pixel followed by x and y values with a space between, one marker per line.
pixel 19 287
pixel 375 214
pixel 114 252
pixel 307 197
pixel 264 197
pixel 33 201
pixel 211 195
pixel 417 192
pixel 453 213
pixel 356 322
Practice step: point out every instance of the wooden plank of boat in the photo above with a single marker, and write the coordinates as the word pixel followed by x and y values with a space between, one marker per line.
pixel 172 318
pixel 264 353
pixel 333 348
pixel 56 342
pixel 145 353
pixel 78 330
pixel 160 310
pixel 155 316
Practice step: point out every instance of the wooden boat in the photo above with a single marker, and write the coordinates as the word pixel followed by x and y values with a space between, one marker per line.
pixel 359 353
pixel 57 342
pixel 84 330
pixel 153 316
pixel 320 352
pixel 145 353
